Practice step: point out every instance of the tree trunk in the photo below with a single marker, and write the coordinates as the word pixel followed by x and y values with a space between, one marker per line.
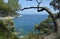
pixel 58 25
pixel 57 30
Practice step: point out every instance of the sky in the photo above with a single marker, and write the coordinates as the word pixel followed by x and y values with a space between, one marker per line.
pixel 25 3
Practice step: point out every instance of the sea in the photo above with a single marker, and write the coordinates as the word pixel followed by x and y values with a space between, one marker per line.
pixel 26 22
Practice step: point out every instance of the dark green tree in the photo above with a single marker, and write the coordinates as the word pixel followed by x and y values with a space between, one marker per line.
pixel 6 25
pixel 55 4
pixel 45 27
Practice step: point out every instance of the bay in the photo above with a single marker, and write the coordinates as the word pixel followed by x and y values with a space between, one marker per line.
pixel 26 22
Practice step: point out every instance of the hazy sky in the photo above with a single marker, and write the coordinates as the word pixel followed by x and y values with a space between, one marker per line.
pixel 25 3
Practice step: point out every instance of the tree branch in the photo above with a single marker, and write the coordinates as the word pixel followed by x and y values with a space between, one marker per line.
pixel 44 8
pixel 49 12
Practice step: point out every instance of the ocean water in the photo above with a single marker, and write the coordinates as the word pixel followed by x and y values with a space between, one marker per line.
pixel 25 23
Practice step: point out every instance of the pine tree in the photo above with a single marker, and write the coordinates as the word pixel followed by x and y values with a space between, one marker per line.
pixel 13 4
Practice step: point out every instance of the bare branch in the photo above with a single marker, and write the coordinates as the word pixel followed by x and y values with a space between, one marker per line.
pixel 44 8
pixel 38 1
pixel 30 8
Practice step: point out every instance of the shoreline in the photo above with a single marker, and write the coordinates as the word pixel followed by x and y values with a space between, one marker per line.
pixel 9 17
pixel 3 18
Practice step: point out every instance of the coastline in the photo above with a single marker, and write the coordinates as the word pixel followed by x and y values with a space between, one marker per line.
pixel 9 17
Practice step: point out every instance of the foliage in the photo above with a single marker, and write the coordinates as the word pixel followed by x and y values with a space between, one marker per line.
pixel 13 4
pixel 5 32
pixel 6 10
pixel 45 27
pixel 7 26
pixel 33 35
pixel 55 4
pixel 7 35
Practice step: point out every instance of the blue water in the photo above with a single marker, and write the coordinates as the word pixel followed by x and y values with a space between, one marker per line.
pixel 26 23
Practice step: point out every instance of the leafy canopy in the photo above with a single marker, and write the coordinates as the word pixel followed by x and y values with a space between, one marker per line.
pixel 9 9
pixel 55 4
